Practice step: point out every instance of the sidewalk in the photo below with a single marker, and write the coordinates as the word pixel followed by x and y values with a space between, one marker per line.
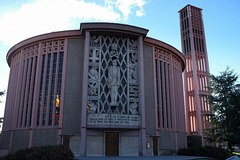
pixel 146 158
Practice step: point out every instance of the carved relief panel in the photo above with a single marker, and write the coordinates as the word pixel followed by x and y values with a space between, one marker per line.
pixel 112 77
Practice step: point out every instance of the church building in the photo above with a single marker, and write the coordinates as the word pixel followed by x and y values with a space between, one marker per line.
pixel 105 89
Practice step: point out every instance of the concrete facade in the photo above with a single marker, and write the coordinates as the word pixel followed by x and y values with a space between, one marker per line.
pixel 66 105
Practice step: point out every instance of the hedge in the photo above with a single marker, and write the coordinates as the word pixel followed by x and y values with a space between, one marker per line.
pixel 56 152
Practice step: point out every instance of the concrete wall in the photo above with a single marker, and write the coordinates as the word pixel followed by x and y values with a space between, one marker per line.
pixel 4 143
pixel 5 139
pixel 182 140
pixel 167 142
pixel 95 146
pixel 74 144
pixel 149 96
pixel 45 137
pixel 149 151
pixel 95 142
pixel 128 146
pixel 20 140
pixel 73 87
pixel 149 90
pixel 128 142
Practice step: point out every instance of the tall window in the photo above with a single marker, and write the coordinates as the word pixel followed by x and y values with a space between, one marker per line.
pixel 157 90
pixel 59 84
pixel 48 112
pixel 24 92
pixel 27 85
pixel 45 106
pixel 161 84
pixel 163 89
pixel 33 88
pixel 41 90
pixel 28 91
pixel 52 89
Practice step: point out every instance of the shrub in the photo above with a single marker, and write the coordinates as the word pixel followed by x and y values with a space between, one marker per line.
pixel 56 152
pixel 213 152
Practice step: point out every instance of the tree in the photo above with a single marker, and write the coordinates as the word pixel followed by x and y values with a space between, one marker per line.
pixel 224 98
pixel 1 94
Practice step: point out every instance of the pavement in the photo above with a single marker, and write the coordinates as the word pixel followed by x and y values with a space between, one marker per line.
pixel 164 157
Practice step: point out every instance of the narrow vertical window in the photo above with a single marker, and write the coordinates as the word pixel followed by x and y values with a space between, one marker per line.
pixel 169 92
pixel 19 111
pixel 194 41
pixel 59 84
pixel 33 88
pixel 204 67
pixel 190 103
pixel 193 103
pixel 28 92
pixel 189 44
pixel 161 82
pixel 157 90
pixel 184 43
pixel 194 123
pixel 52 89
pixel 166 93
pixel 40 90
pixel 20 100
pixel 200 83
pixel 182 25
pixel 187 23
pixel 191 122
pixel 24 92
pixel 197 44
pixel 191 86
pixel 46 90
pixel 202 46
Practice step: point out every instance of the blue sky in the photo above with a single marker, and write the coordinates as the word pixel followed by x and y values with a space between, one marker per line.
pixel 21 19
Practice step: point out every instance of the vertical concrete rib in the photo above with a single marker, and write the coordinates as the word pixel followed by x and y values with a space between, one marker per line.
pixel 82 151
pixel 142 96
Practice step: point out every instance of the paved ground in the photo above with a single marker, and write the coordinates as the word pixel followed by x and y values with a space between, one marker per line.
pixel 145 158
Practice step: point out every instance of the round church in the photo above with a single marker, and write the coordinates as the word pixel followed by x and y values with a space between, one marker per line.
pixel 103 90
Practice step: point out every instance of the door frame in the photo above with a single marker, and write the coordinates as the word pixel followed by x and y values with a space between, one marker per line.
pixel 155 145
pixel 105 132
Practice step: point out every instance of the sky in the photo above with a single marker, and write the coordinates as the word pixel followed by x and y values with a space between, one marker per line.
pixel 22 19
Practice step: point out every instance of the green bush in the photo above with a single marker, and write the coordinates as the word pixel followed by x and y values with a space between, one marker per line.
pixel 213 152
pixel 56 152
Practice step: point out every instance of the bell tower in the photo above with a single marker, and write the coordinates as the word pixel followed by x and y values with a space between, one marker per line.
pixel 196 72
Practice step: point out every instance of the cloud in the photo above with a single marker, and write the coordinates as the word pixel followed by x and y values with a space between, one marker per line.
pixel 127 6
pixel 45 16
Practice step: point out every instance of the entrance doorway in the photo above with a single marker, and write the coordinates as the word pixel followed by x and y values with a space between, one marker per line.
pixel 155 146
pixel 112 144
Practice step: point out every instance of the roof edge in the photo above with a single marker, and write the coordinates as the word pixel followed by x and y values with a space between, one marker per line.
pixel 115 27
pixel 190 6
pixel 35 39
pixel 168 47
